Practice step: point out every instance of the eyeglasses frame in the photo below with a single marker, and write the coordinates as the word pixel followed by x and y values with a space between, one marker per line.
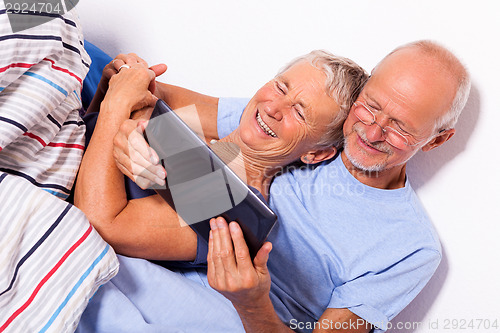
pixel 405 140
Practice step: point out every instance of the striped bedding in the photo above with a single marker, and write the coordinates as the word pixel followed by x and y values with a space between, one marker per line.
pixel 52 261
pixel 41 73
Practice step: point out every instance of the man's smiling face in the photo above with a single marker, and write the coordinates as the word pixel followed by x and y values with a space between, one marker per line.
pixel 407 92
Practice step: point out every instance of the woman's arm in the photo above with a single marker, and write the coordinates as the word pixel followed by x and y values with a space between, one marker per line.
pixel 145 227
pixel 129 137
pixel 149 228
pixel 133 155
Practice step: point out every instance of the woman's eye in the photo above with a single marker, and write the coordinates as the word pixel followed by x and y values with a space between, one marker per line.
pixel 280 88
pixel 299 112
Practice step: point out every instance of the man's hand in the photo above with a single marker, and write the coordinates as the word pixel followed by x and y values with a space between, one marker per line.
pixel 245 283
pixel 134 157
pixel 231 270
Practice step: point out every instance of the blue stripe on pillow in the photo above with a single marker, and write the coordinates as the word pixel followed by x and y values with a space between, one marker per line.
pixel 75 288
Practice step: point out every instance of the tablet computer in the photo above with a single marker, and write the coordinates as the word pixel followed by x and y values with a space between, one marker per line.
pixel 199 185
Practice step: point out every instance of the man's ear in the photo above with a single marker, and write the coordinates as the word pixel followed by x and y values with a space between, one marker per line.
pixel 439 139
pixel 319 155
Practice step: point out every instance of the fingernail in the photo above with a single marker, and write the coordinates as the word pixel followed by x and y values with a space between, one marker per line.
pixel 153 157
pixel 160 173
pixel 213 225
pixel 220 222
pixel 232 227
pixel 159 181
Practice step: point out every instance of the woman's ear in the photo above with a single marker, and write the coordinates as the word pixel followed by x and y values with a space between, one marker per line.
pixel 441 138
pixel 319 155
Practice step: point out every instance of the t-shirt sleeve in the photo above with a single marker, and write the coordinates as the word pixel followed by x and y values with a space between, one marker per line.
pixel 229 114
pixel 378 297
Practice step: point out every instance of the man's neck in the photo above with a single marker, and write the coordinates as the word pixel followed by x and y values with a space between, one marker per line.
pixel 389 179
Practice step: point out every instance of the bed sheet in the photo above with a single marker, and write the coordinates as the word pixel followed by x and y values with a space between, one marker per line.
pixel 146 298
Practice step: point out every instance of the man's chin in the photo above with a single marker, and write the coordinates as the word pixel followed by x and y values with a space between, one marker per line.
pixel 362 165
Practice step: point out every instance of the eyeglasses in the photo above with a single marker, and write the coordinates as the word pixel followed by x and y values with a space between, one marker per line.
pixel 393 137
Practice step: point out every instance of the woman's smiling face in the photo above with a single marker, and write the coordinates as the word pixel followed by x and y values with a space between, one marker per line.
pixel 289 114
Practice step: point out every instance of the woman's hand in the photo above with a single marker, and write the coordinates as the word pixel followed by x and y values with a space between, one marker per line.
pixel 128 90
pixel 134 157
pixel 113 68
pixel 127 59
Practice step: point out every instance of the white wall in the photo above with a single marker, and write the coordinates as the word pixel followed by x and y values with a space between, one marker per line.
pixel 230 48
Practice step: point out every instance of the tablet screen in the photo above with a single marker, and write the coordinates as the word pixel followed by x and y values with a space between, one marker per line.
pixel 200 185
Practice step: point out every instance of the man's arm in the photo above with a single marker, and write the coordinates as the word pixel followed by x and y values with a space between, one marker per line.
pixel 176 97
pixel 342 320
pixel 206 106
pixel 247 284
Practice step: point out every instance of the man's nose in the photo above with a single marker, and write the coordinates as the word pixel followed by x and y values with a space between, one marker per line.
pixel 376 132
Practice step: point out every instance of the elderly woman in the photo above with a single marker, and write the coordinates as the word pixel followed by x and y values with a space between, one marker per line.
pixel 298 115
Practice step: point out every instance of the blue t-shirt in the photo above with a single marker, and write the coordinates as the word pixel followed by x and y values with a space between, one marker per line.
pixel 341 244
pixel 338 244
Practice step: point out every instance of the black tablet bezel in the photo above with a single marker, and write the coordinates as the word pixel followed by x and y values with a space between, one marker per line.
pixel 253 215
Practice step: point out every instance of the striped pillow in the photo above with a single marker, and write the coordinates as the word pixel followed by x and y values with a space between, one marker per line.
pixel 41 71
pixel 52 260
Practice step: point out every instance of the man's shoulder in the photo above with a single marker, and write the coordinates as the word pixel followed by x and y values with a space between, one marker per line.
pixel 229 112
pixel 329 194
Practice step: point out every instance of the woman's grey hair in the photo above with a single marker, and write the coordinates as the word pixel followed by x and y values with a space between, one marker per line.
pixel 456 68
pixel 344 81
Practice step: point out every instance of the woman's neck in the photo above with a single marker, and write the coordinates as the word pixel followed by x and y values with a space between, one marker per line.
pixel 254 170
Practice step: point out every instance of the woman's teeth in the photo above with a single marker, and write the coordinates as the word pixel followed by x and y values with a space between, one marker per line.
pixel 264 127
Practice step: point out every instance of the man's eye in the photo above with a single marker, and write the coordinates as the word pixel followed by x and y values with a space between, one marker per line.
pixel 400 129
pixel 372 108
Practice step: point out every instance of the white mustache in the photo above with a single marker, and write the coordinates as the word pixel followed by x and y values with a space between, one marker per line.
pixel 382 146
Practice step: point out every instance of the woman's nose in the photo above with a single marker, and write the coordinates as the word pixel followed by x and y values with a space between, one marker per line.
pixel 276 108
